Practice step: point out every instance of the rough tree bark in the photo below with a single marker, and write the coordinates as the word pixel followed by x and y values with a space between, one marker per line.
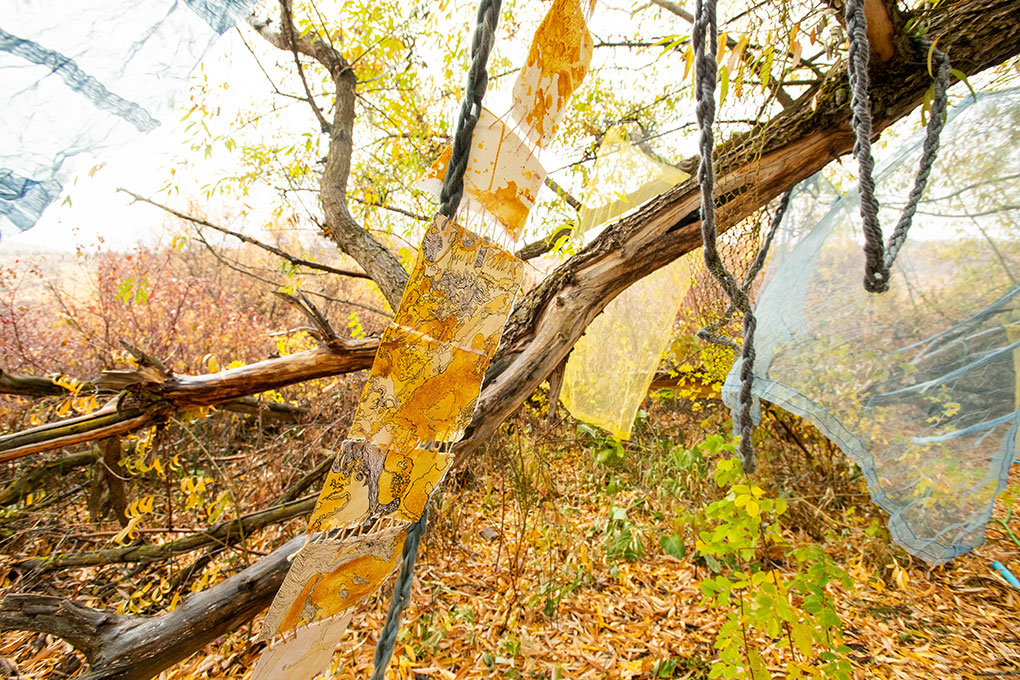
pixel 154 396
pixel 753 168
pixel 120 647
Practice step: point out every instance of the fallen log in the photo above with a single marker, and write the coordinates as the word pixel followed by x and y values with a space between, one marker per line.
pixel 120 647
pixel 150 401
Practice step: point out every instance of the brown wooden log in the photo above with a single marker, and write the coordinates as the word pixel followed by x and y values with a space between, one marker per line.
pixel 120 647
pixel 183 391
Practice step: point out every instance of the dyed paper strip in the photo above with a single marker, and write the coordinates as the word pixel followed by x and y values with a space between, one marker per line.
pixel 328 576
pixel 366 483
pixel 503 175
pixel 558 61
pixel 304 655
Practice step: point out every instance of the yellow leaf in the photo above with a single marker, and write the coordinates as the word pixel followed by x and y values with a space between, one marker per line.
pixel 129 532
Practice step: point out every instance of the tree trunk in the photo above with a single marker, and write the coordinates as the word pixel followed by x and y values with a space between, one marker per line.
pixel 753 169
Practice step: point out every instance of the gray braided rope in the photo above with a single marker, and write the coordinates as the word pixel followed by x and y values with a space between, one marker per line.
pixel 471 107
pixel 704 39
pixel 401 596
pixel 449 200
pixel 878 257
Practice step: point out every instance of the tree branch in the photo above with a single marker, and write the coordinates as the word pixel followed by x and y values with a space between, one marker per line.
pixel 137 648
pixel 753 168
pixel 177 392
pixel 294 260
pixel 287 19
pixel 223 533
pixel 340 226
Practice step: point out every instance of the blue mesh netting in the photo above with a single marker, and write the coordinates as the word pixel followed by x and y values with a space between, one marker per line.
pixel 90 77
pixel 919 386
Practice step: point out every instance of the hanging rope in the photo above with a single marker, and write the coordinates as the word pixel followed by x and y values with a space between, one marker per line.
pixel 879 257
pixel 449 200
pixel 471 108
pixel 704 40
pixel 401 596
pixel 710 333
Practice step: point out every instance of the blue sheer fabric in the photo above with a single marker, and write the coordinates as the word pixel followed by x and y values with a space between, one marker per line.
pixel 90 77
pixel 918 385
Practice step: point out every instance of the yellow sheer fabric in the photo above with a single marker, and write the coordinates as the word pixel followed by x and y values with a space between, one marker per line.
pixel 612 366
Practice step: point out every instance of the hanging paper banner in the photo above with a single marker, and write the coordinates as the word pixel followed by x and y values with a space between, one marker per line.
pixel 304 655
pixel 558 61
pixel 427 374
pixel 366 483
pixel 421 388
pixel 460 289
pixel 328 576
pixel 503 175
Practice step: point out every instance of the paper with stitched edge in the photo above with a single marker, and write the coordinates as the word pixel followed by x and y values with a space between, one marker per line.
pixel 304 655
pixel 328 576
pixel 366 482
pixel 558 60
pixel 503 175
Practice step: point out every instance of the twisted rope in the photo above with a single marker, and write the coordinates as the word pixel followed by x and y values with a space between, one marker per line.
pixel 471 107
pixel 449 200
pixel 880 257
pixel 401 595
pixel 704 39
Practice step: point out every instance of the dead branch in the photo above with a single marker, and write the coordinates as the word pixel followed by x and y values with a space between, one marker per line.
pixel 224 533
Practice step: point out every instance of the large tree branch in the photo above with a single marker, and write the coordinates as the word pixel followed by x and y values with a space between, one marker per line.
pixel 135 648
pixel 753 168
pixel 340 225
pixel 154 399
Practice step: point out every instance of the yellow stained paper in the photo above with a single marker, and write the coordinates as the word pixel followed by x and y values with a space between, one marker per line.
pixel 419 390
pixel 623 178
pixel 305 655
pixel 460 289
pixel 329 576
pixel 558 61
pixel 430 363
pixel 611 367
pixel 502 178
pixel 366 483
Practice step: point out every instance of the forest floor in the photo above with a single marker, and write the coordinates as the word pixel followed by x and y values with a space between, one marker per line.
pixel 531 570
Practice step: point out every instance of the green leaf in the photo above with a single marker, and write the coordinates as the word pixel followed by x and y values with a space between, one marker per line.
pixel 673 545
pixel 803 638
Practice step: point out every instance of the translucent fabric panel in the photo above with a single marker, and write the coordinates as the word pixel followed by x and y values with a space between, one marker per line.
pixel 623 178
pixel 115 65
pixel 917 385
pixel 611 367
